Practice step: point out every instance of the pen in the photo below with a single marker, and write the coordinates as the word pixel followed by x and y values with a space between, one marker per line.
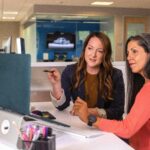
pixel 51 71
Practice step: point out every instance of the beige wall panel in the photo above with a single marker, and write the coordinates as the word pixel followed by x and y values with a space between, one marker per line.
pixel 9 29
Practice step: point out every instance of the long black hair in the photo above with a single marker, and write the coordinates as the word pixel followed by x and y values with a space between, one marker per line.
pixel 136 81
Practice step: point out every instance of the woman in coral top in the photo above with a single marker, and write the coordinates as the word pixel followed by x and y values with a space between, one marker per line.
pixel 136 125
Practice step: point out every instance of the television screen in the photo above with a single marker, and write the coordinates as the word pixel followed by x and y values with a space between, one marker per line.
pixel 61 40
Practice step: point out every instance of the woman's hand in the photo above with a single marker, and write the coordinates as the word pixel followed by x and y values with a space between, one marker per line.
pixel 54 76
pixel 80 109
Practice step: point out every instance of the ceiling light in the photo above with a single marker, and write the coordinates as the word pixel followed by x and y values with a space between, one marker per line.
pixel 33 18
pixel 100 22
pixel 8 18
pixel 74 17
pixel 102 3
pixel 10 12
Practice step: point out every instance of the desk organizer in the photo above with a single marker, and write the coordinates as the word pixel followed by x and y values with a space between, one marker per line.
pixel 11 125
pixel 42 144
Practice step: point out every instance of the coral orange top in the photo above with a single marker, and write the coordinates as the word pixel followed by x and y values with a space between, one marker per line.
pixel 136 125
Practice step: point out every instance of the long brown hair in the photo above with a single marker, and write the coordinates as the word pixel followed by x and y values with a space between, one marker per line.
pixel 105 74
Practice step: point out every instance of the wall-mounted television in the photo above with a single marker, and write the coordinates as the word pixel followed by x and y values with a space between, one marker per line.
pixel 61 40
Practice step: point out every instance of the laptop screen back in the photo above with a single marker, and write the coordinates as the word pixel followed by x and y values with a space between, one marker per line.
pixel 15 72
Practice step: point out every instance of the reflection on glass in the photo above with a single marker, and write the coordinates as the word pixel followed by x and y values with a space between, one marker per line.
pixel 135 28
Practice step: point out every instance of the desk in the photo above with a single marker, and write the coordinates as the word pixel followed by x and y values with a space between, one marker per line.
pixel 66 141
pixel 72 141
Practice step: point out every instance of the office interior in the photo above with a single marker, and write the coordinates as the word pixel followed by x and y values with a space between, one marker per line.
pixel 43 18
pixel 80 19
pixel 117 22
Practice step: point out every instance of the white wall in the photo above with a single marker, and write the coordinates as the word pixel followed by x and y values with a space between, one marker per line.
pixel 108 28
pixel 29 34
pixel 122 66
pixel 8 29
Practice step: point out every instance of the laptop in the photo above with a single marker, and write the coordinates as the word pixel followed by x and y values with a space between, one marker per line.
pixel 15 70
pixel 15 78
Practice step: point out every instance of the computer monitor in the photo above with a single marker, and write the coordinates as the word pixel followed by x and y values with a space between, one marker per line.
pixel 15 73
pixel 20 44
pixel 7 45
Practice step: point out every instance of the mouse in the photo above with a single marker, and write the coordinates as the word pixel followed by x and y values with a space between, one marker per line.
pixel 44 114
pixel 37 112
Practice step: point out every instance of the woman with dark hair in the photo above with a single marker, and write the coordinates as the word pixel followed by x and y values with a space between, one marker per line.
pixel 93 79
pixel 136 125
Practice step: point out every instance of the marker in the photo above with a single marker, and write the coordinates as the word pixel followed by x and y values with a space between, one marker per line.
pixel 26 140
pixel 36 135
pixel 25 137
pixel 44 131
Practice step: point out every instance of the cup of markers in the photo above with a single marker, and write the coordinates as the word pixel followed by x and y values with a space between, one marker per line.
pixel 36 137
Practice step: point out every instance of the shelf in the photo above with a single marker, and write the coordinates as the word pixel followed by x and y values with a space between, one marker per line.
pixel 52 64
pixel 42 88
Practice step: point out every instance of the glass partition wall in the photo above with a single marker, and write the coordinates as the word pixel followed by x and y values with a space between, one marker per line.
pixel 62 40
pixel 117 27
pixel 79 29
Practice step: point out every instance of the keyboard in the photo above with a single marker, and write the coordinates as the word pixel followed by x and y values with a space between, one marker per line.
pixel 47 120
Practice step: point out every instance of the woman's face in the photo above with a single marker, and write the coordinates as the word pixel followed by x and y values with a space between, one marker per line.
pixel 94 52
pixel 137 57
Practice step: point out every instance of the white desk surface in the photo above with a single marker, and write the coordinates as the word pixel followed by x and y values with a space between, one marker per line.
pixel 66 141
pixel 73 141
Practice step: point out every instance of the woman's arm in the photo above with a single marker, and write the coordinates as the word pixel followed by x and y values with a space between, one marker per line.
pixel 138 116
pixel 66 82
pixel 136 119
pixel 54 77
pixel 57 102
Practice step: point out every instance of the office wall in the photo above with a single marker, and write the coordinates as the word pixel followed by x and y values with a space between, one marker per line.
pixel 114 29
pixel 9 29
pixel 148 21
pixel 107 26
pixel 100 12
pixel 75 27
pixel 119 37
pixel 12 28
pixel 29 34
